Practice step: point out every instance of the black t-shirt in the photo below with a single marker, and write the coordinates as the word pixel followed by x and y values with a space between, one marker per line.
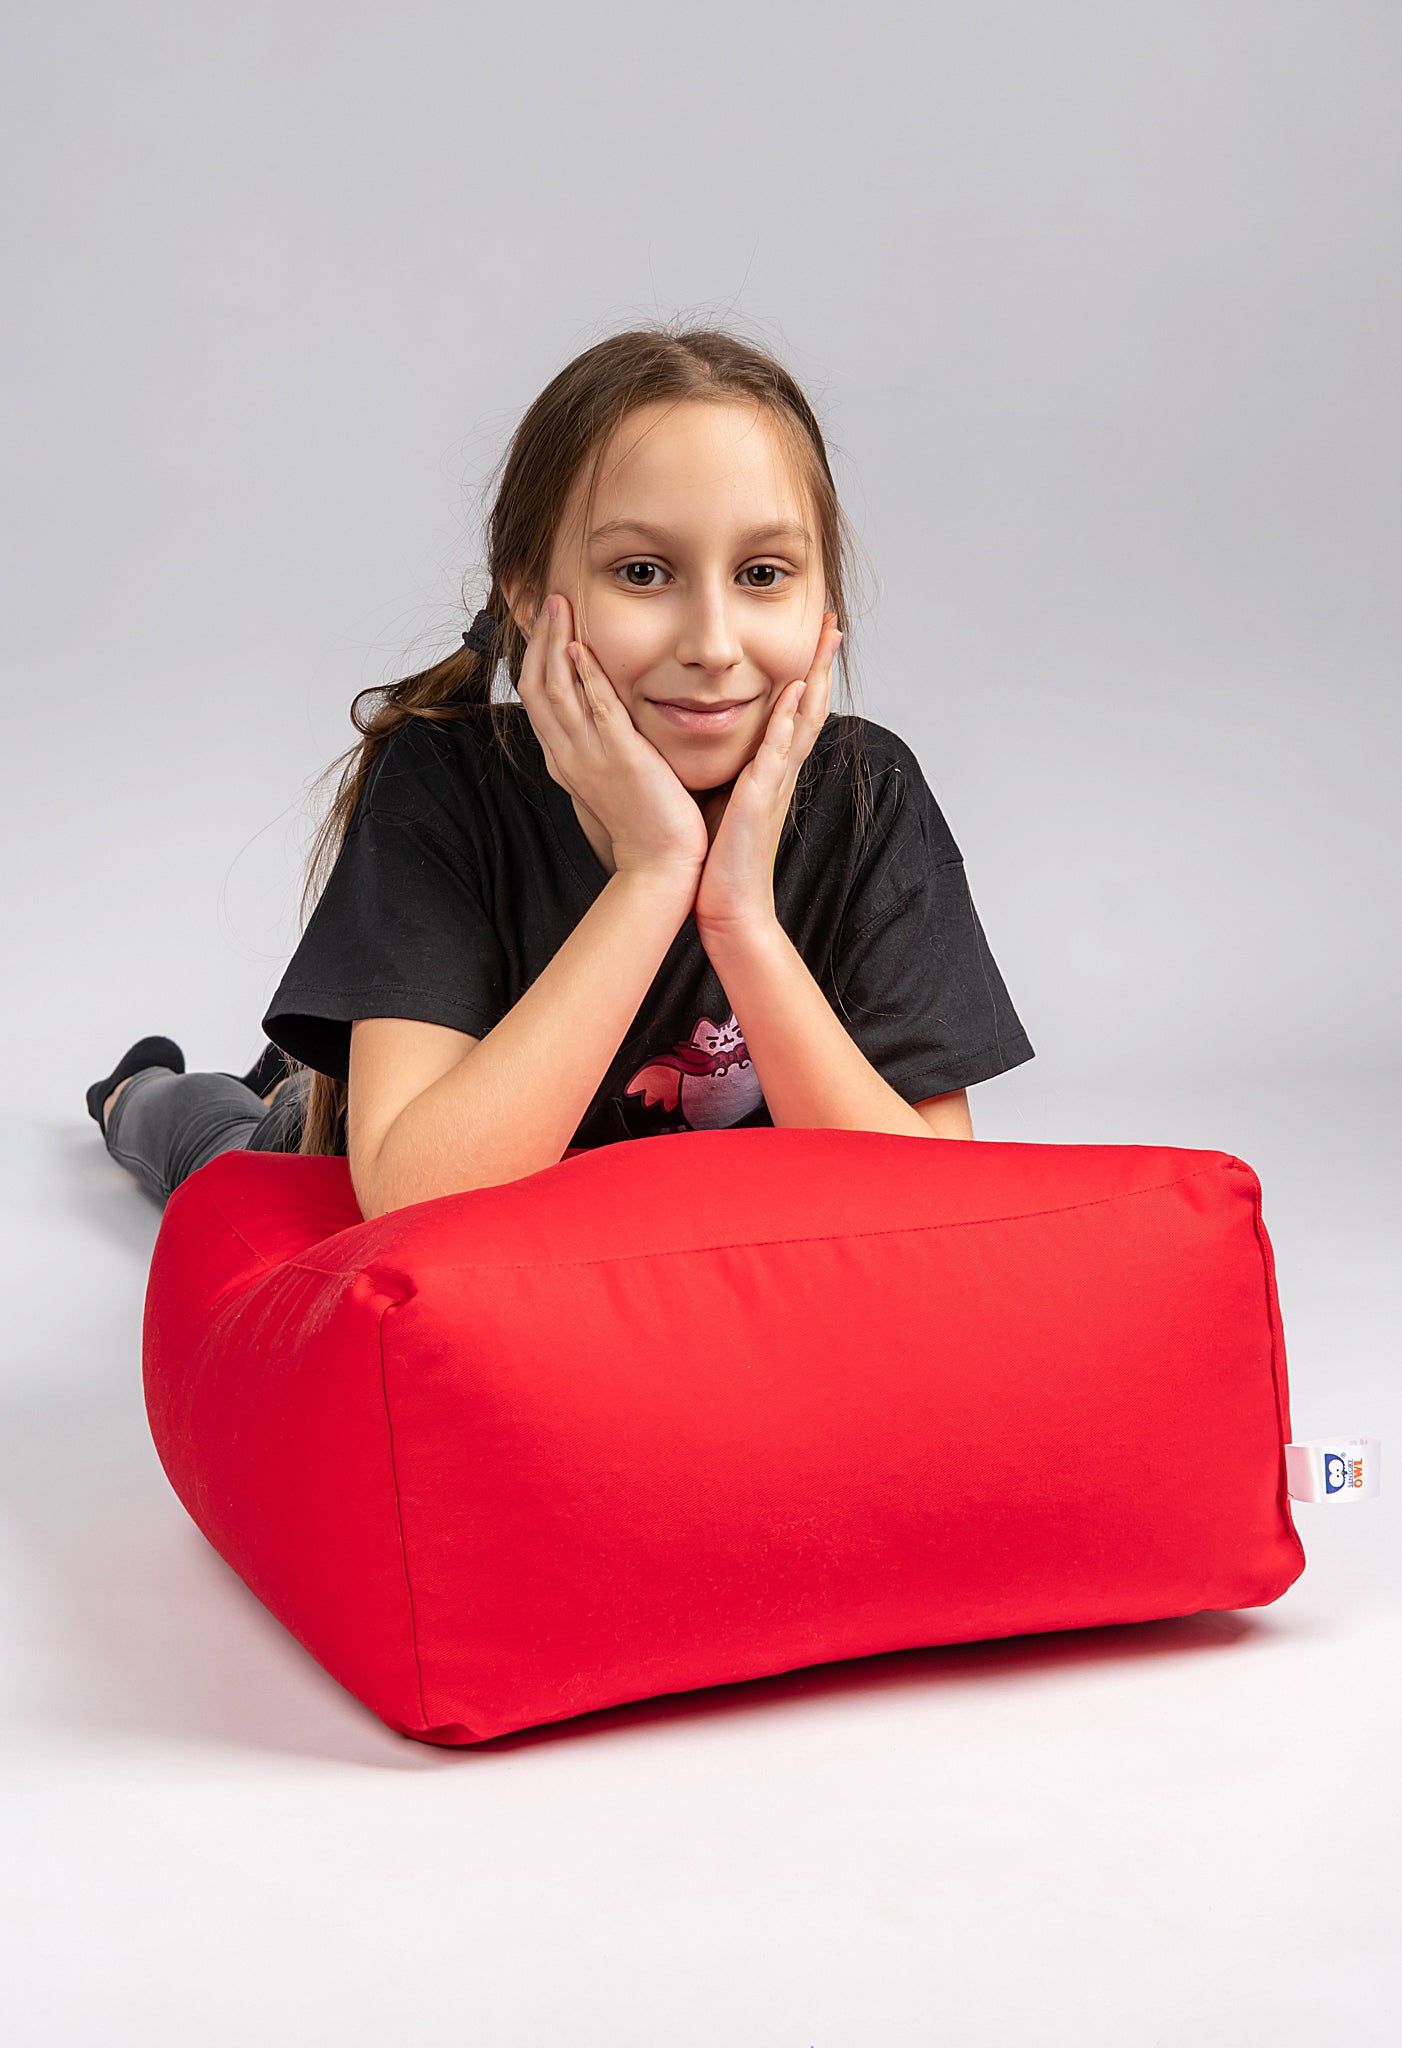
pixel 458 883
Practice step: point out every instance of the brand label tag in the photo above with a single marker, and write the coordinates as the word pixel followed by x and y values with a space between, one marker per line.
pixel 1326 1468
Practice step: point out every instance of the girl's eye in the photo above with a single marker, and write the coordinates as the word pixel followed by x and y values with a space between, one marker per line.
pixel 771 569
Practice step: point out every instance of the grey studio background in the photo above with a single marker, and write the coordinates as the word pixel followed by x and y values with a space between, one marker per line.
pixel 1101 307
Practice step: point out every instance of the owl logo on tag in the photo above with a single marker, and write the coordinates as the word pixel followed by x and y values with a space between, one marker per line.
pixel 1336 1473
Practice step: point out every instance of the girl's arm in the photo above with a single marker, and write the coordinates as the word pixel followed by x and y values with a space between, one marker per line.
pixel 508 1104
pixel 511 1104
pixel 947 1115
pixel 812 1072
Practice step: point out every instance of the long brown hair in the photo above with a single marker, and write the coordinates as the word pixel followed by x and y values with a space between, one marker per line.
pixel 563 434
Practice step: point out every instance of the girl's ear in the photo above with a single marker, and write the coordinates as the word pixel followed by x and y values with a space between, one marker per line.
pixel 524 611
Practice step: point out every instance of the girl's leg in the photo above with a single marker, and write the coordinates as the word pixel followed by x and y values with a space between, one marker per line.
pixel 281 1128
pixel 163 1125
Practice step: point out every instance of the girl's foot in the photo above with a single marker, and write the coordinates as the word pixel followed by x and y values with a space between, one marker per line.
pixel 267 1071
pixel 147 1052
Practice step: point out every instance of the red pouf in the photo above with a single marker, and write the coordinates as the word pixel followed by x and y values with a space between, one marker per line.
pixel 692 1409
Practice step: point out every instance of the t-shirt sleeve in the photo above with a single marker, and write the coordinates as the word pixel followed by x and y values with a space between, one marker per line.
pixel 919 990
pixel 400 930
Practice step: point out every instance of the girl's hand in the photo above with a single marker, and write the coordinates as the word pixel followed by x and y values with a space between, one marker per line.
pixel 737 882
pixel 593 749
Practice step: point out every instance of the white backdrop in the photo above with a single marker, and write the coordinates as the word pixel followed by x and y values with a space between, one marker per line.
pixel 1101 306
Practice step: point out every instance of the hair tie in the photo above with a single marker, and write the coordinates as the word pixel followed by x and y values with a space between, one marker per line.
pixel 481 635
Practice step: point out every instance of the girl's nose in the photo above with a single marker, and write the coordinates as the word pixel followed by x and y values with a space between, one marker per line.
pixel 708 637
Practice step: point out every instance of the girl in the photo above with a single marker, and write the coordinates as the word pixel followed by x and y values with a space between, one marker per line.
pixel 667 888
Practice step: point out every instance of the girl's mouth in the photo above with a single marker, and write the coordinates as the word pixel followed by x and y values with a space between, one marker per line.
pixel 719 720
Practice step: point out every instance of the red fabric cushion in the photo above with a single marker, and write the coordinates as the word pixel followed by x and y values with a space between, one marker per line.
pixel 692 1409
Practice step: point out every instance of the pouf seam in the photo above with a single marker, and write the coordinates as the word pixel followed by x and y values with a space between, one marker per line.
pixel 748 1243
pixel 234 1231
pixel 388 1302
pixel 1282 1487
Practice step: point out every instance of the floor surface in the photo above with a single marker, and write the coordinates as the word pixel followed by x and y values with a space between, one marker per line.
pixel 1175 1832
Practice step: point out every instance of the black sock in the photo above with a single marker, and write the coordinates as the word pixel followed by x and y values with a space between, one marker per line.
pixel 267 1070
pixel 147 1052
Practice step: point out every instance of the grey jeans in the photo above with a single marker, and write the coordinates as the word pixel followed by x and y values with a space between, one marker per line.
pixel 164 1125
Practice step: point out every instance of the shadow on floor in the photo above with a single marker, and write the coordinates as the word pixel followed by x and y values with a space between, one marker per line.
pixel 144 1631
pixel 999 1662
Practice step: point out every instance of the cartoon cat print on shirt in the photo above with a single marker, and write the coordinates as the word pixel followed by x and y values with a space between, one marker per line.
pixel 707 1079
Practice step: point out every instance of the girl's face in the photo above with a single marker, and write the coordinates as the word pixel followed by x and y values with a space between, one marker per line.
pixel 700 578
